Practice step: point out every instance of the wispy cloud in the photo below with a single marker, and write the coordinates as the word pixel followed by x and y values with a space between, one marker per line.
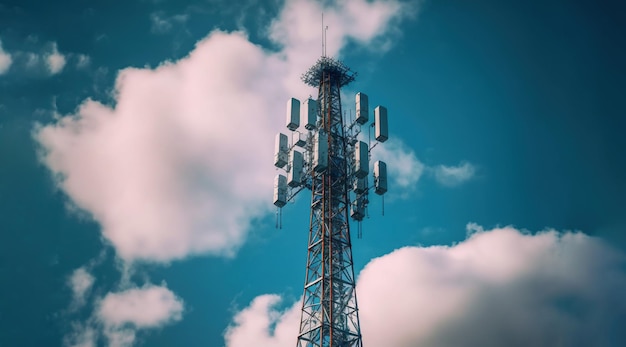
pixel 44 61
pixel 80 282
pixel 55 61
pixel 82 61
pixel 5 60
pixel 404 168
pixel 160 23
pixel 31 60
pixel 451 176
pixel 83 335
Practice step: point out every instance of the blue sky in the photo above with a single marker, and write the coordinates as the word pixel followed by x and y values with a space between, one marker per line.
pixel 135 185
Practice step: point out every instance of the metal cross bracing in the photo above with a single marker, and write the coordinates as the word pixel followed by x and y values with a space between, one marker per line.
pixel 334 165
pixel 329 310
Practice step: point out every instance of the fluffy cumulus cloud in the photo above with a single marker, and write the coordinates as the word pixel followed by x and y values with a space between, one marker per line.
pixel 147 307
pixel 181 164
pixel 123 313
pixel 251 327
pixel 502 287
pixel 297 29
pixel 451 176
pixel 55 61
pixel 120 315
pixel 5 60
pixel 177 167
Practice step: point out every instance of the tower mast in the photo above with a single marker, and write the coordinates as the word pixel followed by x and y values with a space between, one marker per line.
pixel 329 310
pixel 334 164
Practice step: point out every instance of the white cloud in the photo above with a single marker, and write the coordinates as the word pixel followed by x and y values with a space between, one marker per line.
pixel 502 287
pixel 454 175
pixel 82 336
pixel 120 315
pixel 55 61
pixel 5 60
pixel 403 167
pixel 161 24
pixel 80 282
pixel 120 337
pixel 182 163
pixel 45 61
pixel 146 307
pixel 298 29
pixel 262 325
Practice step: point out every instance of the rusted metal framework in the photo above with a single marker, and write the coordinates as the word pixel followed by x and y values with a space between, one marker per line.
pixel 330 316
pixel 327 156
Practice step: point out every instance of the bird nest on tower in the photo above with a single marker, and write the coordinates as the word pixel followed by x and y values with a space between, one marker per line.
pixel 326 65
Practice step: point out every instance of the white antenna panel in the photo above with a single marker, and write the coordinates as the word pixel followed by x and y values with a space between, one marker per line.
pixel 299 139
pixel 362 111
pixel 280 190
pixel 320 152
pixel 360 185
pixel 380 177
pixel 309 114
pixel 280 150
pixel 293 114
pixel 361 160
pixel 357 211
pixel 380 120
pixel 294 177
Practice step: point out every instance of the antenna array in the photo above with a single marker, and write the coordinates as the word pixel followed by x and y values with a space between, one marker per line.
pixel 326 156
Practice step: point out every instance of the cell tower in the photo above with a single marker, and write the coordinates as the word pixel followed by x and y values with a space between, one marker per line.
pixel 327 158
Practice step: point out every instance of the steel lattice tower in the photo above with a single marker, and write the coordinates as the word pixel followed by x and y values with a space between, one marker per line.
pixel 329 311
pixel 334 165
